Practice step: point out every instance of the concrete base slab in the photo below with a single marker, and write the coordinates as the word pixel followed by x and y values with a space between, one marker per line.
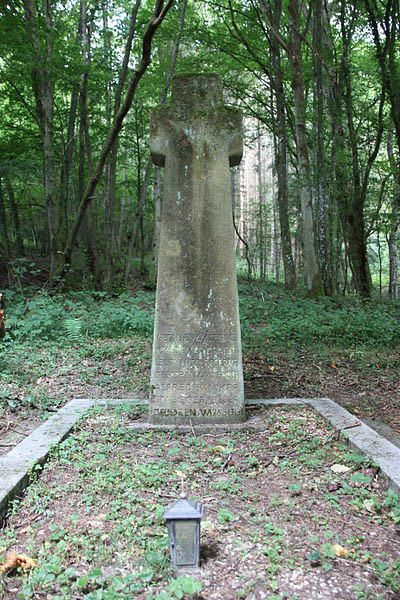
pixel 17 465
pixel 252 424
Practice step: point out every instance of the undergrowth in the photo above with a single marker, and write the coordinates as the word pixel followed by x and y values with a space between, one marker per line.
pixel 269 316
pixel 44 332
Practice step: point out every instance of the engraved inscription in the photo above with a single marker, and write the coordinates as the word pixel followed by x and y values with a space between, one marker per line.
pixel 206 411
pixel 206 337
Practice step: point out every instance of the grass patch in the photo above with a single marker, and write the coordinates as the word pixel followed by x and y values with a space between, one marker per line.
pixel 276 513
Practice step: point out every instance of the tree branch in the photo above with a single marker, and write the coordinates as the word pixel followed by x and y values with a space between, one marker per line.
pixel 158 16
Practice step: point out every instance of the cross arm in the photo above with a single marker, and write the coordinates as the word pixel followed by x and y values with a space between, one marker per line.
pixel 158 138
pixel 236 142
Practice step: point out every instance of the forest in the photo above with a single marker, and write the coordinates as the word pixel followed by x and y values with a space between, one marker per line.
pixel 318 83
pixel 291 509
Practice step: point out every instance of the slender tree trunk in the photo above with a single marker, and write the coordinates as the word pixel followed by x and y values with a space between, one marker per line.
pixel 136 223
pixel 71 133
pixel 280 147
pixel 157 219
pixel 378 244
pixel 159 13
pixel 261 209
pixel 85 153
pixel 111 233
pixel 351 188
pixel 66 165
pixel 352 208
pixel 124 199
pixel 322 209
pixel 313 280
pixel 394 231
pixel 43 89
pixel 5 245
pixel 15 216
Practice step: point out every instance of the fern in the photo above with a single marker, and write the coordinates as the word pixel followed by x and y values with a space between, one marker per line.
pixel 73 329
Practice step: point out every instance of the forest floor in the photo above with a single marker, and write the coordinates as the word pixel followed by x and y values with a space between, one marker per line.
pixel 277 514
pixel 88 345
pixel 289 513
pixel 49 377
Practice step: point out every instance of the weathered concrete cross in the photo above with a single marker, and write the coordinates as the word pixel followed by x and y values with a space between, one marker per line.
pixel 197 362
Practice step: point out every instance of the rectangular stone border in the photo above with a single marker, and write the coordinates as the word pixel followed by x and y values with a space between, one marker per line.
pixel 17 465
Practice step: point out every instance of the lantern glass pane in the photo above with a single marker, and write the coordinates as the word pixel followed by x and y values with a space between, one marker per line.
pixel 185 542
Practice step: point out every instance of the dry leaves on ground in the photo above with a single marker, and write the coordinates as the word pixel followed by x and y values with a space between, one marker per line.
pixel 14 560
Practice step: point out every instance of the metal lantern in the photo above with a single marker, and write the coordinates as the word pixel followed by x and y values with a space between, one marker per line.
pixel 183 521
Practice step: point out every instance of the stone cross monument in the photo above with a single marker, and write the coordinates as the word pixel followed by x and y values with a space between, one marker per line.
pixel 196 374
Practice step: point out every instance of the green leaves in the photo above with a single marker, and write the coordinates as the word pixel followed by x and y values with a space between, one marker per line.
pixel 225 516
pixel 361 478
pixel 71 317
pixel 181 587
pixel 302 322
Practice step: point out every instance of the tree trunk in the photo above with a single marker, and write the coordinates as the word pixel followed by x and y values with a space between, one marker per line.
pixel 15 216
pixel 280 145
pixel 351 189
pixel 5 246
pixel 43 89
pixel 110 230
pixel 323 210
pixel 393 238
pixel 137 218
pixel 157 222
pixel 66 165
pixel 261 209
pixel 313 280
pixel 160 10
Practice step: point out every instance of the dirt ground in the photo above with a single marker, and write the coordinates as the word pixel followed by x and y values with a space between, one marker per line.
pixel 372 391
pixel 290 513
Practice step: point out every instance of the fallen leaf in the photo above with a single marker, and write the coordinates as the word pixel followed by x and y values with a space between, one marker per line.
pixel 14 560
pixel 25 562
pixel 339 550
pixel 215 449
pixel 10 562
pixel 271 368
pixel 336 468
pixel 369 505
pixel 333 365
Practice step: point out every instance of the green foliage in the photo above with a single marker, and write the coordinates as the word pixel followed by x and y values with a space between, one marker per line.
pixel 269 318
pixel 181 587
pixel 225 516
pixel 72 317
